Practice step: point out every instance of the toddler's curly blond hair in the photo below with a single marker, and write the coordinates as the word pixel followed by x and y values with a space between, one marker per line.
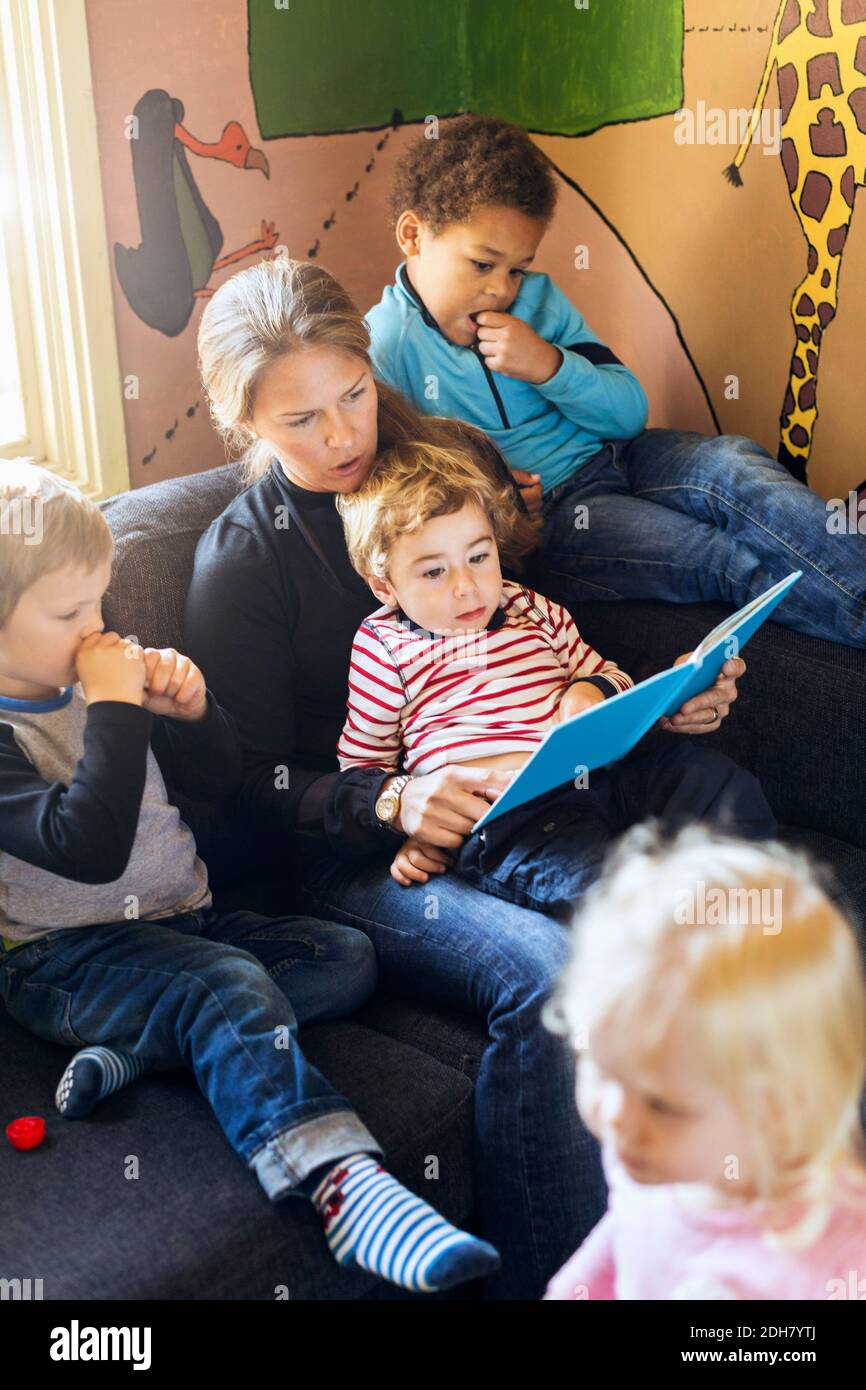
pixel 416 480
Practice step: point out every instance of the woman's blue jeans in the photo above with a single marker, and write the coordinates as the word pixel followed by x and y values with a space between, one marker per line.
pixel 539 1182
pixel 689 518
pixel 222 994
pixel 546 853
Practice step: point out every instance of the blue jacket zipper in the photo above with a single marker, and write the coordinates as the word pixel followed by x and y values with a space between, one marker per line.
pixel 431 323
pixel 492 384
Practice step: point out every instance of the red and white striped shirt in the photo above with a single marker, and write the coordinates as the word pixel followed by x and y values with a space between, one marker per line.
pixel 465 695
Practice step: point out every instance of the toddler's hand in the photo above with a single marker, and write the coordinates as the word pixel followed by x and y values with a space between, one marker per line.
pixel 511 347
pixel 415 861
pixel 110 667
pixel 174 686
pixel 577 698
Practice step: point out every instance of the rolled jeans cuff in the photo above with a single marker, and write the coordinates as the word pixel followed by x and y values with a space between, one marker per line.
pixel 291 1155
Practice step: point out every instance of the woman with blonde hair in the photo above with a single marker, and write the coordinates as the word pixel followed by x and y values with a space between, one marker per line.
pixel 716 1000
pixel 272 610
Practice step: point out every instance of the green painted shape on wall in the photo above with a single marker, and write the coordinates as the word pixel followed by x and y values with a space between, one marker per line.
pixel 321 66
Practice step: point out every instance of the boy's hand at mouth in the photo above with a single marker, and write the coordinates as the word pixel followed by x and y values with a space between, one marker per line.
pixel 512 348
pixel 174 686
pixel 110 667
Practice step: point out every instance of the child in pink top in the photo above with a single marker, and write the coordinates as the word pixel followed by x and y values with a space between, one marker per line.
pixel 716 1000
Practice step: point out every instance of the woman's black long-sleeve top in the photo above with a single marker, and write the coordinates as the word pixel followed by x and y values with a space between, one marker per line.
pixel 271 624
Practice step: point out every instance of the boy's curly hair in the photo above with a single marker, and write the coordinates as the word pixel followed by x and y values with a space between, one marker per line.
pixel 416 480
pixel 476 161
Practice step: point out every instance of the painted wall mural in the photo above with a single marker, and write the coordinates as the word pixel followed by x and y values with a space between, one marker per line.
pixel 353 66
pixel 458 56
pixel 679 284
pixel 181 239
pixel 818 49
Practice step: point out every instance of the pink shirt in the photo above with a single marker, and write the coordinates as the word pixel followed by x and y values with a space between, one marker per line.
pixel 651 1245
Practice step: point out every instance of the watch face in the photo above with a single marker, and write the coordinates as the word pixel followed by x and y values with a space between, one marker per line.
pixel 386 807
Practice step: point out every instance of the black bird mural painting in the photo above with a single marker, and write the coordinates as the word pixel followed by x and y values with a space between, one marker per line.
pixel 181 239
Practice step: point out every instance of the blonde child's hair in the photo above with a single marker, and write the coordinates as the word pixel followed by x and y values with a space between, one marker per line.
pixel 416 480
pixel 71 529
pixel 779 1010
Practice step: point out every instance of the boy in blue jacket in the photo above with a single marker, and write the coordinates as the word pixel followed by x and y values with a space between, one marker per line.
pixel 468 329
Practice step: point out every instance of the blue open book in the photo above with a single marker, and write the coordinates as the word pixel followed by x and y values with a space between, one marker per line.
pixel 608 731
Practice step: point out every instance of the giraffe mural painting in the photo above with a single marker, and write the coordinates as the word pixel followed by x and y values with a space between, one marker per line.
pixel 819 50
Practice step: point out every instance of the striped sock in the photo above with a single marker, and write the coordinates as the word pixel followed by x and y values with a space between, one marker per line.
pixel 94 1073
pixel 372 1221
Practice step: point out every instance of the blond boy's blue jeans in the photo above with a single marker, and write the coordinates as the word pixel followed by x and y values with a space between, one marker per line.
pixel 220 993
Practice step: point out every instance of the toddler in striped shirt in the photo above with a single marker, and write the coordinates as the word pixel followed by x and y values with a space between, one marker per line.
pixel 460 665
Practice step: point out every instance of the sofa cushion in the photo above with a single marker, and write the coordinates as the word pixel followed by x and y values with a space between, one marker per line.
pixel 156 530
pixel 194 1223
pixel 841 870
pixel 456 1039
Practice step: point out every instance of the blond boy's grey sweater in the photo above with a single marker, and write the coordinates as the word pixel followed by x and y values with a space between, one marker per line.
pixel 88 833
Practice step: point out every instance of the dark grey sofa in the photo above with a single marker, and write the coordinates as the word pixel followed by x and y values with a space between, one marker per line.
pixel 195 1224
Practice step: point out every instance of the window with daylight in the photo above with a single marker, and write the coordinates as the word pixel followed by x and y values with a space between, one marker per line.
pixel 60 388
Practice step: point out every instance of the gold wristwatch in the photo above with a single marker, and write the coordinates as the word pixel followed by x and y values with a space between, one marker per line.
pixel 388 804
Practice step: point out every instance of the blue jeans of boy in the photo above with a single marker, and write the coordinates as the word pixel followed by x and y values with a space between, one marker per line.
pixel 222 994
pixel 688 518
pixel 546 853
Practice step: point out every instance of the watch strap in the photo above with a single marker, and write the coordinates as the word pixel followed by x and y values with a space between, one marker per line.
pixel 396 789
